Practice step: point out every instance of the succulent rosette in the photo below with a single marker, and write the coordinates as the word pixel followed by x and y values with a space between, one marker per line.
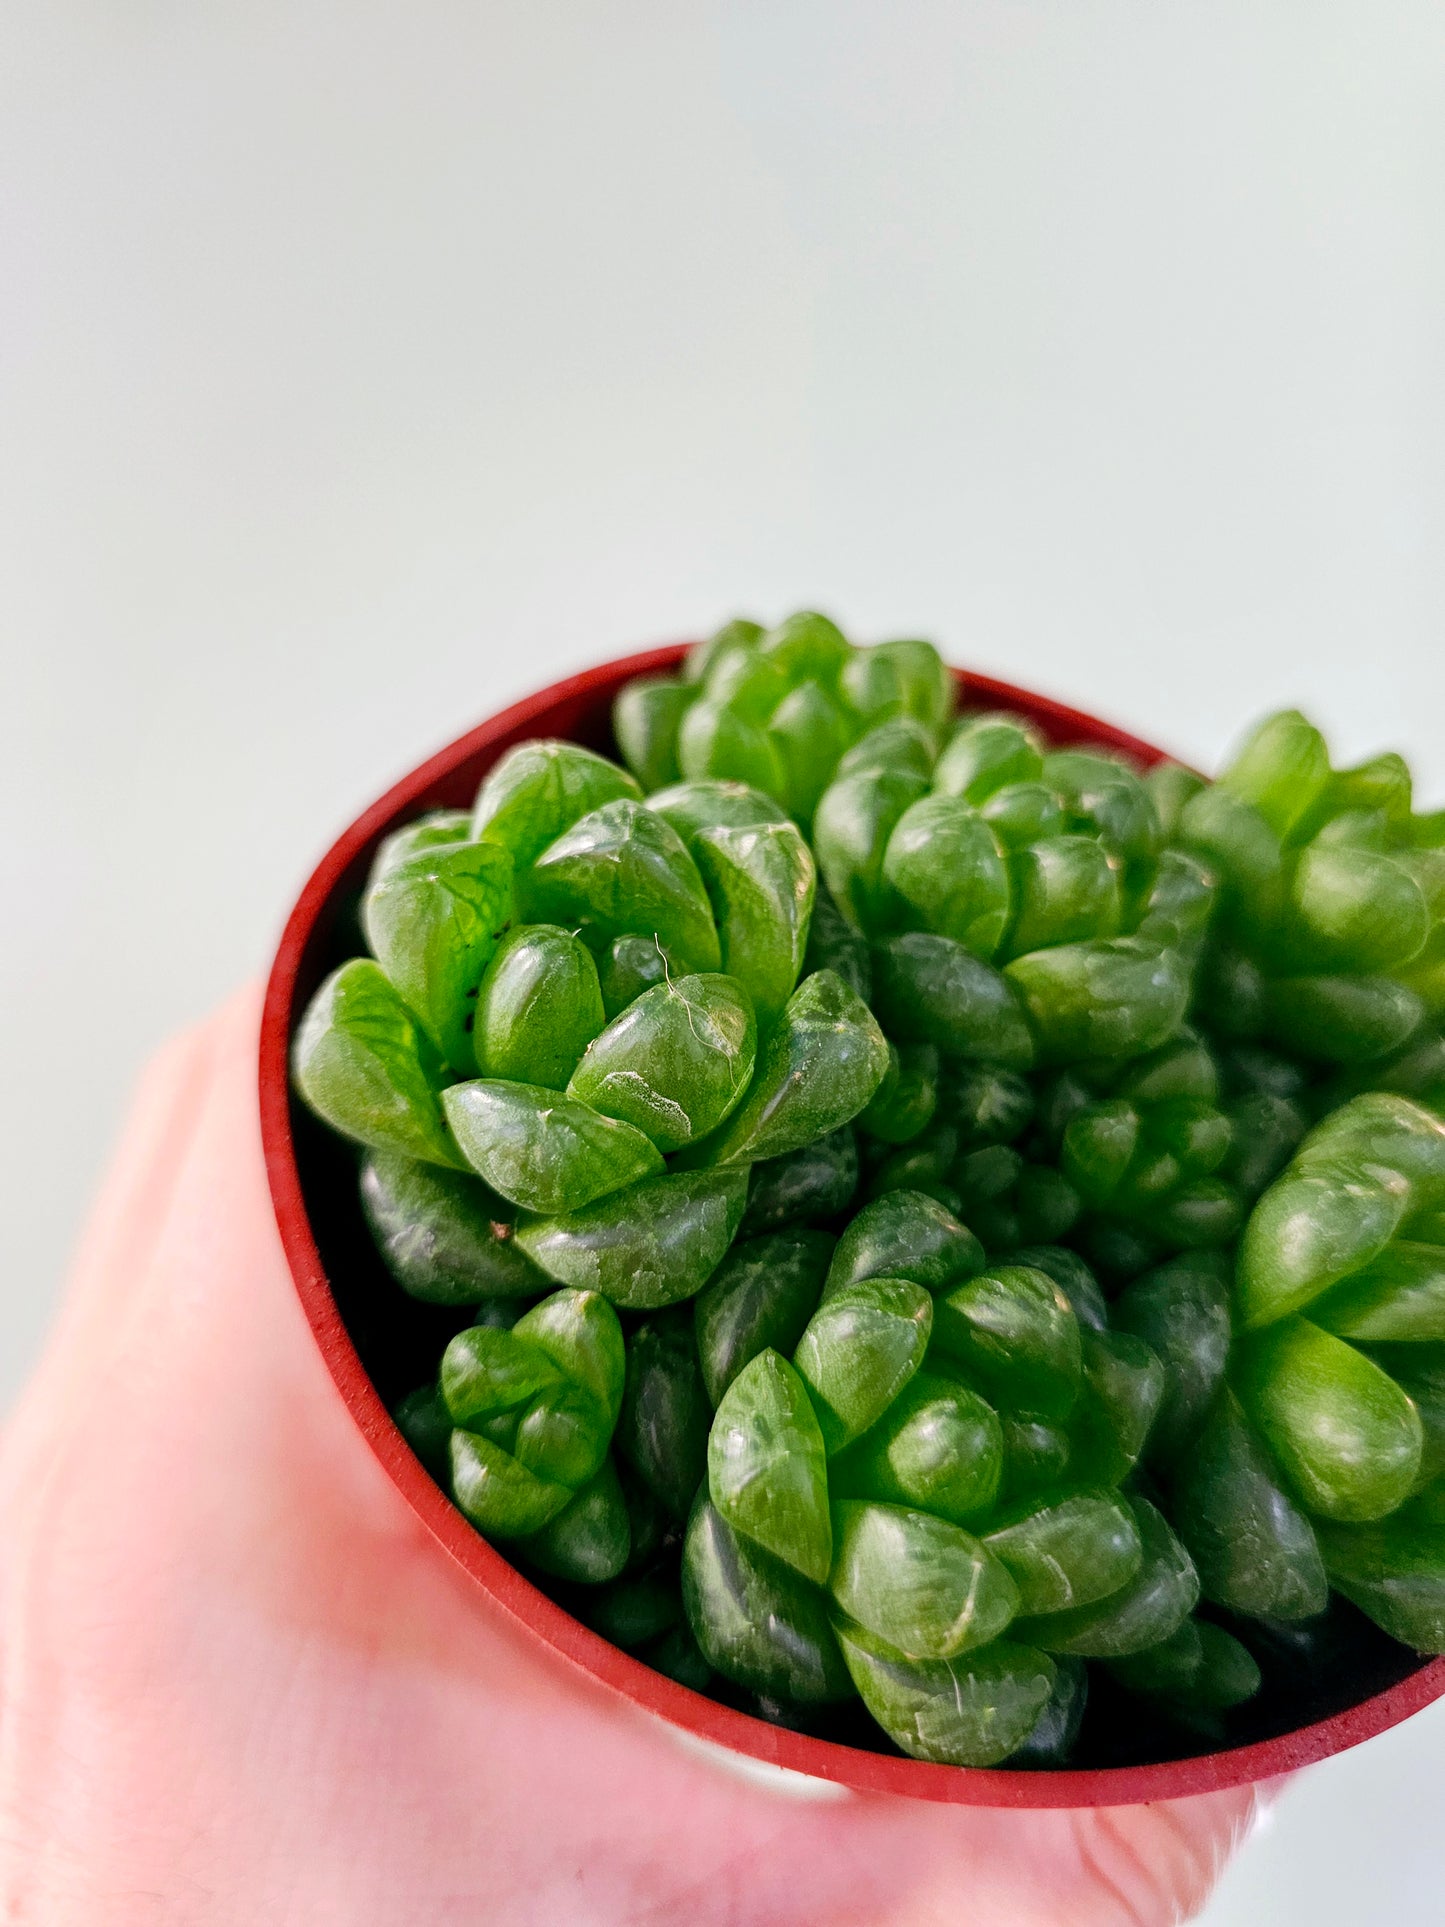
pixel 929 1230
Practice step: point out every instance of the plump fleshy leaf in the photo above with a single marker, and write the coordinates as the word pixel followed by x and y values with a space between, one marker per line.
pixel 1015 1332
pixel 362 1062
pixel 1105 998
pixel 819 1068
pixel 760 1298
pixel 538 791
pixel 860 1348
pixel 538 1008
pixel 445 1236
pixel 757 1621
pixel 662 1429
pixel 1147 1609
pixel 1255 1550
pixel 932 988
pixel 938 1447
pixel 622 870
pixel 943 863
pixel 675 1063
pixel 973 1710
pixel 1071 1552
pixel 927 1587
pixel 760 880
pixel 766 1469
pixel 433 922
pixel 1348 1439
pixel 543 1150
pixel 905 1234
pixel 646 718
pixel 652 1244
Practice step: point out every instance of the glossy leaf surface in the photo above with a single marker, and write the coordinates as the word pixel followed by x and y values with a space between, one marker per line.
pixel 816 1072
pixel 766 1470
pixel 675 1062
pixel 363 1064
pixel 1143 1612
pixel 931 988
pixel 543 1150
pixel 905 1234
pixel 756 1620
pixel 1255 1550
pixel 1347 1438
pixel 860 1348
pixel 1015 1332
pixel 1073 1552
pixel 538 1008
pixel 927 1587
pixel 621 871
pixel 653 1244
pixel 760 880
pixel 938 1447
pixel 760 1298
pixel 538 791
pixel 663 1425
pixel 445 1236
pixel 970 1711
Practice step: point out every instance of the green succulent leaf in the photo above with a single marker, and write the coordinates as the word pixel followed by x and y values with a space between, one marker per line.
pixel 926 1586
pixel 766 1469
pixel 538 791
pixel 757 1622
pixel 364 1066
pixel 760 1298
pixel 651 1244
pixel 860 1348
pixel 973 1710
pixel 622 870
pixel 817 1071
pixel 760 879
pixel 538 1008
pixel 543 1150
pixel 675 1063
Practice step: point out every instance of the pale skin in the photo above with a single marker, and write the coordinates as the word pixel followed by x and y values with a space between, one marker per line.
pixel 241 1684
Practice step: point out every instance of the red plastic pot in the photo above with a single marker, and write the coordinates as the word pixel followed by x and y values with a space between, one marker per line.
pixel 580 709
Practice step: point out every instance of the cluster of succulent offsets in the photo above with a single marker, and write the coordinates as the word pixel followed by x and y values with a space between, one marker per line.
pixel 943 1218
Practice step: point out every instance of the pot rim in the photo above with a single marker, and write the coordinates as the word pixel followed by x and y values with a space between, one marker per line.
pixel 706 1719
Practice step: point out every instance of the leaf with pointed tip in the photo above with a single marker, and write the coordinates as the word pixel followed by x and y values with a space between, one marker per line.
pixel 675 1063
pixel 973 1710
pixel 1071 1552
pixel 589 1539
pixel 928 1587
pixel 538 1008
pixel 432 922
pixel 362 1063
pixel 818 1070
pixel 539 790
pixel 623 870
pixel 861 1347
pixel 652 1244
pixel 760 879
pixel 760 1298
pixel 757 1622
pixel 543 1150
pixel 767 1473
pixel 500 1497
pixel 1141 1613
pixel 445 1236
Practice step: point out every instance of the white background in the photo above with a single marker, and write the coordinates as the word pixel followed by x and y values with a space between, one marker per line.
pixel 362 367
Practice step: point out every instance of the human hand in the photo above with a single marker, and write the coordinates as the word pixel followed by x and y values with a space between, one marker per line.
pixel 242 1684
